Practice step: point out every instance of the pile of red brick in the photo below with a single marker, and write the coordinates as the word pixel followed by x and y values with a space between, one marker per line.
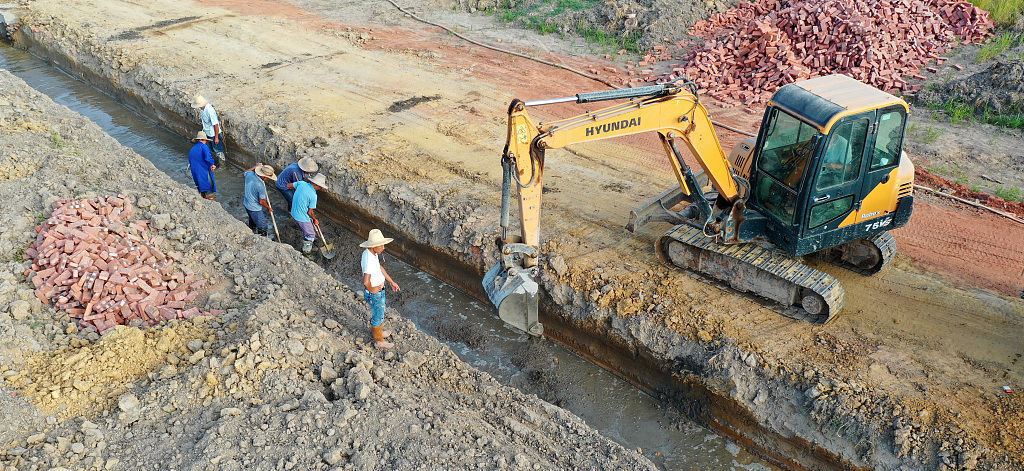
pixel 753 49
pixel 103 270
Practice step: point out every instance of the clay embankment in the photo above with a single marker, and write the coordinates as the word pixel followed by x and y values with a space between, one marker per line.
pixel 284 377
pixel 878 387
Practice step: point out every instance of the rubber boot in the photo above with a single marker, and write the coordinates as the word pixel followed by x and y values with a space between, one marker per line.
pixel 270 235
pixel 307 246
pixel 378 338
pixel 220 158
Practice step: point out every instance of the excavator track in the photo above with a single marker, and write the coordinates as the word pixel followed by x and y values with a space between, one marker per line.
pixel 770 274
pixel 866 256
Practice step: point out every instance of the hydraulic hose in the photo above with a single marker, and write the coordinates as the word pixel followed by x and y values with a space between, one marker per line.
pixel 506 194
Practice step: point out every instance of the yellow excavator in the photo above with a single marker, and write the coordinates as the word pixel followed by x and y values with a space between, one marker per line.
pixel 825 175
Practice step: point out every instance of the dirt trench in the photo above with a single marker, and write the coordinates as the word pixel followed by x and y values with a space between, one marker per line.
pixel 761 377
pixel 284 377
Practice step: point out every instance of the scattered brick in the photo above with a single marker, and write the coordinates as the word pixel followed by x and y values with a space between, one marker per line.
pixel 751 50
pixel 104 277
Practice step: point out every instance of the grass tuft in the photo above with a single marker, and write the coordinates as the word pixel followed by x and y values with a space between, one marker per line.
pixel 56 140
pixel 958 111
pixel 1003 12
pixel 1009 193
pixel 999 44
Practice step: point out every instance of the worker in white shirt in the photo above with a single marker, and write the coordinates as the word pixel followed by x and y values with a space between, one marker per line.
pixel 374 277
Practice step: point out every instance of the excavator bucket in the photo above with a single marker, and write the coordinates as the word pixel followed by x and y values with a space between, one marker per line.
pixel 514 292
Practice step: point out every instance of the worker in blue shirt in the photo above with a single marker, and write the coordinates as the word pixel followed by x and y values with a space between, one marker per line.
pixel 303 205
pixel 295 172
pixel 211 126
pixel 202 165
pixel 255 198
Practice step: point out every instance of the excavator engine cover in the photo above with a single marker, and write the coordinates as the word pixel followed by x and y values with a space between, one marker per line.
pixel 513 289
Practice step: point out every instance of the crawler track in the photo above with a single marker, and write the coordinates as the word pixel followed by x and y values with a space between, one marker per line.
pixel 866 256
pixel 772 275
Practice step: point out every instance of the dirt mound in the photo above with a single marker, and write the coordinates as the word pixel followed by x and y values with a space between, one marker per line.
pixel 631 24
pixel 999 89
pixel 75 381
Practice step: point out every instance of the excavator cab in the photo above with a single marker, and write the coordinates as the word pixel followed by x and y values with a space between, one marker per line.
pixel 826 165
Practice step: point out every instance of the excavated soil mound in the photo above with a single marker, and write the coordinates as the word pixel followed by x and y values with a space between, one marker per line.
pixel 645 23
pixel 999 88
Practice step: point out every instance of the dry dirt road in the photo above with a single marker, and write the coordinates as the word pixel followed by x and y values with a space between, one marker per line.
pixel 940 330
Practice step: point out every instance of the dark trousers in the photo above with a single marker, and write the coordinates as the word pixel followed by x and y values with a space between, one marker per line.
pixel 258 221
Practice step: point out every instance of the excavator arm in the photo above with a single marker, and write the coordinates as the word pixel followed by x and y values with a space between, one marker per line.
pixel 671 111
pixel 674 112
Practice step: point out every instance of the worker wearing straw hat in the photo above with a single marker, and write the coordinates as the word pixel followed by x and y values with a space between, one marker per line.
pixel 255 198
pixel 202 165
pixel 374 277
pixel 211 125
pixel 295 172
pixel 303 206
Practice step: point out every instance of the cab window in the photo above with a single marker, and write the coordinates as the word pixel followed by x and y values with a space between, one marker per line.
pixel 787 147
pixel 889 140
pixel 840 163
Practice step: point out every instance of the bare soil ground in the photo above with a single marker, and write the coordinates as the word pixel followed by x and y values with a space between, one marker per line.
pixel 285 378
pixel 918 355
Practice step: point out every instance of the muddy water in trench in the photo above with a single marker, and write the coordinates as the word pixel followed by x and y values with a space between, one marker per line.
pixel 610 405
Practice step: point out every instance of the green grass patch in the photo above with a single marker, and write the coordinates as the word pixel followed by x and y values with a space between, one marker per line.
pixel 999 44
pixel 958 111
pixel 541 17
pixel 1009 193
pixel 1004 12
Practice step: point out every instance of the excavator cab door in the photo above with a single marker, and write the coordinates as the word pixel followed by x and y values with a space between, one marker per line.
pixel 835 188
pixel 859 155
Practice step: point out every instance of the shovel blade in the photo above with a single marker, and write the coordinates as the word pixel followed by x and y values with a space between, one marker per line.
pixel 514 293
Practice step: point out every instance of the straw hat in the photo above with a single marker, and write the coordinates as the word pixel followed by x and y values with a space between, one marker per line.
pixel 319 180
pixel 266 171
pixel 201 136
pixel 308 165
pixel 199 102
pixel 376 239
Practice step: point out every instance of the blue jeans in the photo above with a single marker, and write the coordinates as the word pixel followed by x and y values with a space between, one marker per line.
pixel 218 147
pixel 376 301
pixel 257 220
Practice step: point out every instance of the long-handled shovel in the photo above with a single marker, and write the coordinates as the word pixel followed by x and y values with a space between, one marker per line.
pixel 272 218
pixel 328 251
pixel 274 221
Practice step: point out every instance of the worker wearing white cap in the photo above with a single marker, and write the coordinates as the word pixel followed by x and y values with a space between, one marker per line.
pixel 303 206
pixel 211 126
pixel 374 277
pixel 295 172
